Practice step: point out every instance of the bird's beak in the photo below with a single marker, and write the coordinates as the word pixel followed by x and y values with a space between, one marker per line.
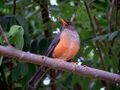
pixel 63 22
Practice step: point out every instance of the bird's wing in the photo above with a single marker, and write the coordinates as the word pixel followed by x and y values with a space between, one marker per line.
pixel 53 44
pixel 42 70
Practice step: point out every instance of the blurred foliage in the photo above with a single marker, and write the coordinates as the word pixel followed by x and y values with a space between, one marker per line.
pixel 25 32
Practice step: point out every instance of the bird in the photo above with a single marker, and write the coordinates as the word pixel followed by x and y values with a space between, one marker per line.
pixel 64 46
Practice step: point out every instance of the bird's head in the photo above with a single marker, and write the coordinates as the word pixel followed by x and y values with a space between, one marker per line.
pixel 67 24
pixel 64 22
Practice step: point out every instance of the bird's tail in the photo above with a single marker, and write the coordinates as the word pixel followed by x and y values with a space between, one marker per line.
pixel 37 77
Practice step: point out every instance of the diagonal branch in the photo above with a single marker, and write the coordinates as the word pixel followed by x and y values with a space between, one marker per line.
pixel 110 14
pixel 116 16
pixel 58 64
pixel 116 24
pixel 14 7
pixel 4 35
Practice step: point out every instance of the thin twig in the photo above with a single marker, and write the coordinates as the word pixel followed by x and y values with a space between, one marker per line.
pixel 100 55
pixel 14 7
pixel 90 17
pixel 116 27
pixel 110 15
pixel 98 25
pixel 4 36
pixel 99 29
pixel 116 16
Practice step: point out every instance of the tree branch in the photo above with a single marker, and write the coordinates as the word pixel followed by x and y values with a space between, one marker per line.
pixel 90 17
pixel 4 35
pixel 116 24
pixel 59 64
pixel 116 16
pixel 45 18
pixel 14 7
pixel 110 15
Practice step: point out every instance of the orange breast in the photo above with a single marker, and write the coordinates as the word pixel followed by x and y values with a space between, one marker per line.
pixel 67 48
pixel 72 51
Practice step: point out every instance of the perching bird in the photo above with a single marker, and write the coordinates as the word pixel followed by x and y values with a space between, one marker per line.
pixel 65 46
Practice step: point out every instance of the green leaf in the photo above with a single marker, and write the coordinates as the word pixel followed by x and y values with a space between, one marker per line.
pixel 15 35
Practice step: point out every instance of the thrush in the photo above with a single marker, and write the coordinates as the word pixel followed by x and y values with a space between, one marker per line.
pixel 64 46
